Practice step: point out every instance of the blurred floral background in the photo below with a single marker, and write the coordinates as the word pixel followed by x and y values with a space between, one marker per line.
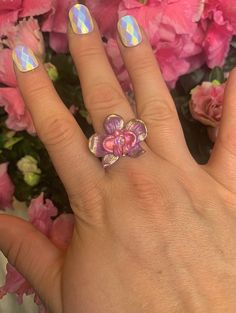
pixel 194 44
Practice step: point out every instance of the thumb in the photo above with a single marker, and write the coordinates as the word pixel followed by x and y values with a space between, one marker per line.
pixel 34 256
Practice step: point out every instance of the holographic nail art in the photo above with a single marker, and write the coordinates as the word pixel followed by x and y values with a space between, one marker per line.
pixel 24 59
pixel 129 31
pixel 81 20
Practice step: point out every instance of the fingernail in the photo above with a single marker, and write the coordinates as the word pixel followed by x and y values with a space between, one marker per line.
pixel 24 59
pixel 129 31
pixel 81 20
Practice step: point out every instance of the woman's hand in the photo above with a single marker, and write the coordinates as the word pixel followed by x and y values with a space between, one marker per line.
pixel 152 234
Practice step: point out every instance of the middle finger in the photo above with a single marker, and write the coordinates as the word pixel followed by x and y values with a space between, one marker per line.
pixel 101 91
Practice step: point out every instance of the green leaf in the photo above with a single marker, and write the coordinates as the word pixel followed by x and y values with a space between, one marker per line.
pixel 217 74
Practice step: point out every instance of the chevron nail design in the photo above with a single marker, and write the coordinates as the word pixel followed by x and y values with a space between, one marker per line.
pixel 24 58
pixel 129 31
pixel 81 20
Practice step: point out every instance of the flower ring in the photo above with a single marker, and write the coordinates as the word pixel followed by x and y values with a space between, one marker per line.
pixel 119 140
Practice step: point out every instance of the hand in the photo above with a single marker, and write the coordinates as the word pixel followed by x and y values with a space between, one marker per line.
pixel 152 234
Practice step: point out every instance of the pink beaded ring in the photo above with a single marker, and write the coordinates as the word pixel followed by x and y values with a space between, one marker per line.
pixel 119 140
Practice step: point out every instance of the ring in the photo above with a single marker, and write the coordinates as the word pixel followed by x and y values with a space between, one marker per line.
pixel 119 140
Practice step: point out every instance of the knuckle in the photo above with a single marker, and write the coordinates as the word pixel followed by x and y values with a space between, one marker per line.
pixel 157 110
pixel 88 52
pixel 103 97
pixel 38 91
pixel 57 130
pixel 142 66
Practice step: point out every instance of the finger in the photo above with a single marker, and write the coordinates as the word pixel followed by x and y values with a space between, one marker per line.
pixel 222 163
pixel 101 91
pixel 56 126
pixel 154 102
pixel 34 256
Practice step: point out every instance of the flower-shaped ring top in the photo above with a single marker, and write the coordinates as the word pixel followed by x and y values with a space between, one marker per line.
pixel 119 140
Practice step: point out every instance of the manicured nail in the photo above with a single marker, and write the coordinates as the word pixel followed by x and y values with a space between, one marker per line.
pixel 81 20
pixel 24 59
pixel 129 31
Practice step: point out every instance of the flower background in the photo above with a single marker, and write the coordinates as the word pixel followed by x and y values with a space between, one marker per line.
pixel 194 44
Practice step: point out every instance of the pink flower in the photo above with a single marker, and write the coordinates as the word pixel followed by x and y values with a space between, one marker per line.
pixel 6 187
pixel 11 11
pixel 206 104
pixel 174 35
pixel 59 232
pixel 18 117
pixel 119 140
pixel 7 74
pixel 40 214
pixel 26 32
pixel 15 284
pixel 218 22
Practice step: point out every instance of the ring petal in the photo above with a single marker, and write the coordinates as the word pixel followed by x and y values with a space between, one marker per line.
pixel 136 151
pixel 112 123
pixel 96 145
pixel 139 128
pixel 109 159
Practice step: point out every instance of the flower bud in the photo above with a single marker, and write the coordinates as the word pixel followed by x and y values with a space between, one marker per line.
pixel 52 71
pixel 32 179
pixel 28 164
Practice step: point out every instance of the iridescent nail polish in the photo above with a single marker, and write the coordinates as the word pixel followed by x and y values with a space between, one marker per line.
pixel 24 58
pixel 81 20
pixel 129 31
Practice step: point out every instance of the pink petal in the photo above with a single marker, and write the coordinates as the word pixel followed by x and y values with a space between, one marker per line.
pixel 41 212
pixel 35 7
pixel 58 42
pixel 109 159
pixel 57 18
pixel 19 117
pixel 62 230
pixel 7 73
pixel 109 143
pixel 112 123
pixel 10 5
pixel 7 20
pixel 6 187
pixel 96 145
pixel 139 128
pixel 108 9
pixel 217 44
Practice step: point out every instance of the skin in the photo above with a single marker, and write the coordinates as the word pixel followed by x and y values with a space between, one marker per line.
pixel 152 234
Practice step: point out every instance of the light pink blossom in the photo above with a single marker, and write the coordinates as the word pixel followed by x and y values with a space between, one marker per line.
pixel 206 104
pixel 6 187
pixel 18 116
pixel 26 32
